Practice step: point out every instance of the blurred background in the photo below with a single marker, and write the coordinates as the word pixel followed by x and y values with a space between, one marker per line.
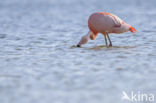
pixel 39 62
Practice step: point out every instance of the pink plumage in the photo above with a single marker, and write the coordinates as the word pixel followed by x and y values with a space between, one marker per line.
pixel 105 23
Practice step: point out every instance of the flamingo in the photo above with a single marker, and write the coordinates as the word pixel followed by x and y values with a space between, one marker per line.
pixel 105 23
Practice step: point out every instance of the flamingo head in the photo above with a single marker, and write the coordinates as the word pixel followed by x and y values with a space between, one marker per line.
pixel 83 40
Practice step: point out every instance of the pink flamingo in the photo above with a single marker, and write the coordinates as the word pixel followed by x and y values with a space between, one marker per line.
pixel 105 23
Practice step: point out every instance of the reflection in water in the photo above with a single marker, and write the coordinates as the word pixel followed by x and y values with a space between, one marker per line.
pixel 103 46
pixel 113 47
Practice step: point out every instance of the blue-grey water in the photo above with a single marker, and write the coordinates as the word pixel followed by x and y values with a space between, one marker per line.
pixel 39 62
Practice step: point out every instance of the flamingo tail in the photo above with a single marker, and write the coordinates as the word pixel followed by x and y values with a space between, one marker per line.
pixel 131 29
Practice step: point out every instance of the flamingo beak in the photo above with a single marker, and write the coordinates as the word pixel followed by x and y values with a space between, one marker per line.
pixel 78 45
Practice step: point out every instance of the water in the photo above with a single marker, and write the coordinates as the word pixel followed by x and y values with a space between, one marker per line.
pixel 39 62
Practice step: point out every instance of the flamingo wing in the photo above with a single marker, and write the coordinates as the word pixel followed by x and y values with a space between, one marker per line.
pixel 117 21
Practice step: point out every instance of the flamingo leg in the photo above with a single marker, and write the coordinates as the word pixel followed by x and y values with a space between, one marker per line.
pixel 106 41
pixel 109 40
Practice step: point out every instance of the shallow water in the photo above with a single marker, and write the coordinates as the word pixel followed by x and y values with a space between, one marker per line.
pixel 40 63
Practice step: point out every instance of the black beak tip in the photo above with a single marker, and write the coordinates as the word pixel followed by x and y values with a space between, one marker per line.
pixel 78 46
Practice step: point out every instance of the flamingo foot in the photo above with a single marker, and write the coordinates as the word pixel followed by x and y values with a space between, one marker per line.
pixel 110 45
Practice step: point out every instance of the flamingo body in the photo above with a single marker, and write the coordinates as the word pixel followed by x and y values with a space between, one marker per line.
pixel 105 23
